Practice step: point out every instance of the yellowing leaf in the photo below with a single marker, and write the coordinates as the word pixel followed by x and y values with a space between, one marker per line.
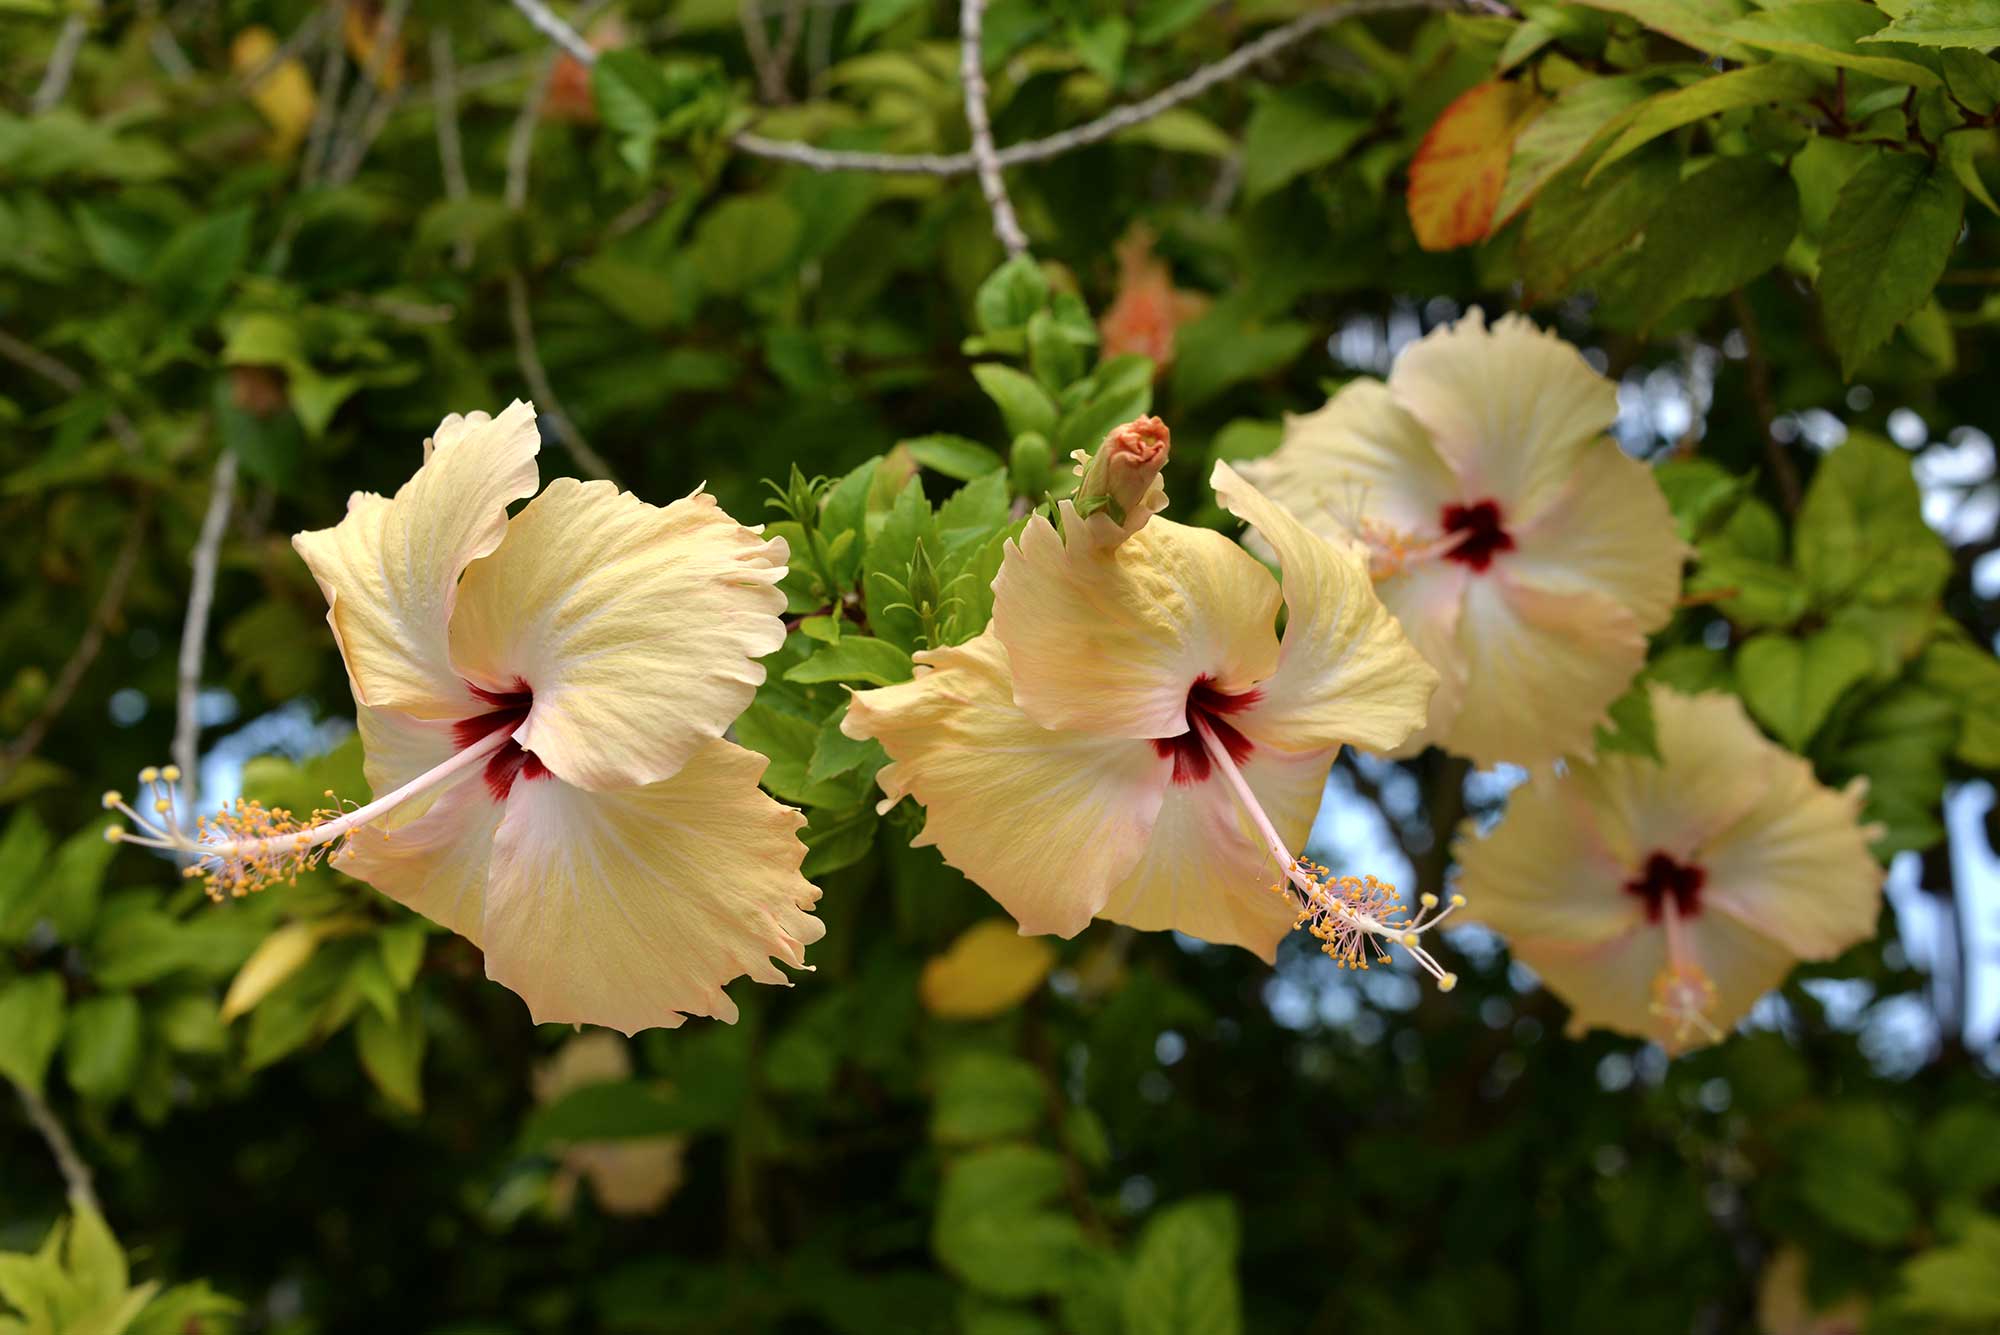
pixel 1461 166
pixel 360 25
pixel 284 97
pixel 282 954
pixel 990 969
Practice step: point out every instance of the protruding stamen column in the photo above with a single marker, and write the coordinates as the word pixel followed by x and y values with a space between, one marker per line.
pixel 1345 923
pixel 1683 994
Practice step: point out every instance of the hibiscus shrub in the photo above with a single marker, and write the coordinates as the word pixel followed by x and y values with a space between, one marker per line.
pixel 1353 682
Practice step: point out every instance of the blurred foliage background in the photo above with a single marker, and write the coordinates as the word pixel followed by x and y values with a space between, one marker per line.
pixel 252 250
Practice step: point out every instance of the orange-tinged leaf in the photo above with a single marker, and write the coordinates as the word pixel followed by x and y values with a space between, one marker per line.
pixel 361 25
pixel 1461 167
pixel 990 969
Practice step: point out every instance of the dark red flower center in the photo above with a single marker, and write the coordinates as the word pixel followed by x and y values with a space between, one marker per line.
pixel 1484 537
pixel 1661 879
pixel 1205 704
pixel 510 761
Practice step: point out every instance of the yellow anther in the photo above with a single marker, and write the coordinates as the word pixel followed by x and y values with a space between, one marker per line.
pixel 112 797
pixel 163 806
pixel 171 773
pixel 150 774
pixel 1448 982
pixel 114 833
pixel 1458 901
pixel 1428 900
pixel 1409 938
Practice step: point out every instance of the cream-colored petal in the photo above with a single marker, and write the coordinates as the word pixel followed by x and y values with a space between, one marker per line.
pixel 631 909
pixel 1542 668
pixel 1548 870
pixel 1346 671
pixel 1045 822
pixel 1795 865
pixel 1607 983
pixel 436 864
pixel 1207 873
pixel 1109 641
pixel 637 628
pixel 1360 457
pixel 1713 767
pixel 1509 408
pixel 390 570
pixel 1426 599
pixel 396 748
pixel 1608 531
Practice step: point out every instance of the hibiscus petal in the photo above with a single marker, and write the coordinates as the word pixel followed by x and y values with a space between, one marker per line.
pixel 395 748
pixel 1207 872
pixel 435 864
pixel 1346 671
pixel 390 569
pixel 1609 532
pixel 636 627
pixel 1110 641
pixel 631 909
pixel 1509 408
pixel 1360 456
pixel 1425 600
pixel 1549 869
pixel 1046 822
pixel 1542 670
pixel 1713 766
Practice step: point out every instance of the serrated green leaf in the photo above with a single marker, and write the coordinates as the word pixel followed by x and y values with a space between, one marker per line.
pixel 1777 83
pixel 1829 32
pixel 392 1052
pixel 31 1027
pixel 102 1044
pixel 954 456
pixel 1885 248
pixel 1184 1275
pixel 1962 23
pixel 1792 684
pixel 1024 405
pixel 1585 114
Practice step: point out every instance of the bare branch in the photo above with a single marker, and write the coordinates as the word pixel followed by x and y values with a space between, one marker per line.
pixel 550 25
pixel 370 105
pixel 62 64
pixel 972 75
pixel 770 77
pixel 194 628
pixel 75 1172
pixel 32 358
pixel 789 33
pixel 521 144
pixel 332 75
pixel 1784 473
pixel 109 603
pixel 451 153
pixel 537 376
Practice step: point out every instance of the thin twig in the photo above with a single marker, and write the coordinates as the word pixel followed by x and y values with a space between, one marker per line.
pixel 332 74
pixel 770 78
pixel 194 628
pixel 521 144
pixel 451 152
pixel 62 64
pixel 1783 471
pixel 539 389
pixel 160 41
pixel 550 25
pixel 56 373
pixel 109 603
pixel 371 103
pixel 75 1172
pixel 972 75
pixel 789 33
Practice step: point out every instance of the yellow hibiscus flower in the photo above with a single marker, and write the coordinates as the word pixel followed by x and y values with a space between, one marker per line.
pixel 1525 554
pixel 542 701
pixel 1131 740
pixel 1662 899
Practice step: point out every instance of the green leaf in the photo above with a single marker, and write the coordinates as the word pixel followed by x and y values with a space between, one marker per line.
pixel 194 267
pixel 1183 1278
pixel 1861 535
pixel 619 1110
pixel 1700 492
pixel 1885 247
pixel 855 658
pixel 1959 1283
pixel 1719 229
pixel 1582 116
pixel 1791 685
pixel 787 741
pixel 1179 130
pixel 1293 131
pixel 102 1045
pixel 836 839
pixel 1024 405
pixel 630 90
pixel 1631 729
pixel 392 1052
pixel 984 1096
pixel 1900 741
pixel 24 848
pixel 74 880
pixel 1970 677
pixel 1695 23
pixel 744 239
pixel 1829 32
pixel 954 456
pixel 31 1026
pixel 1964 23
pixel 994 1229
pixel 1753 86
pixel 1573 227
pixel 1010 296
pixel 835 753
pixel 1220 351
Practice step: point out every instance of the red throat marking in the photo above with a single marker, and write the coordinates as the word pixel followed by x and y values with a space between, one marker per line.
pixel 510 761
pixel 1663 878
pixel 1207 705
pixel 1485 537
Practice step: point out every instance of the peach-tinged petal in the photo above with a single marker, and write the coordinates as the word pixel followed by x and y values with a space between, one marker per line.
pixel 1046 822
pixel 390 570
pixel 1207 873
pixel 1361 457
pixel 1713 767
pixel 395 748
pixel 1609 531
pixel 1509 408
pixel 631 909
pixel 436 864
pixel 1346 672
pixel 636 627
pixel 1548 870
pixel 1426 599
pixel 1542 670
pixel 1606 983
pixel 1110 642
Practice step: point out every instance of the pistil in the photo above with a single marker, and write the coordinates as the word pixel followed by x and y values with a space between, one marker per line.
pixel 1353 917
pixel 1683 995
pixel 250 846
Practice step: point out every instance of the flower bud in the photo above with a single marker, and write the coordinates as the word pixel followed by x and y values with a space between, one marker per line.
pixel 1122 480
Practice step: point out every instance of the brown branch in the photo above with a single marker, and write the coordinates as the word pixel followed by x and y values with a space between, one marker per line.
pixel 1783 471
pixel 109 603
